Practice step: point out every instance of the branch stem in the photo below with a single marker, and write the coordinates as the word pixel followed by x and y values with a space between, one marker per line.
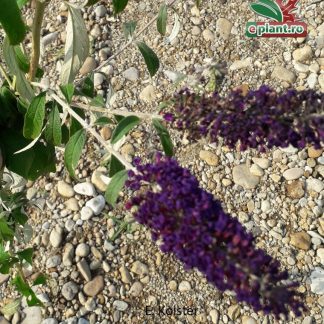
pixel 36 37
pixel 6 76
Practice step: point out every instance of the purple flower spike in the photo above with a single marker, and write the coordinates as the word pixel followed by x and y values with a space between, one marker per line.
pixel 194 227
pixel 261 119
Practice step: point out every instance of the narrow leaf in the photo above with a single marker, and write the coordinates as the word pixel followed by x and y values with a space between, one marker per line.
pixel 76 45
pixel 150 58
pixel 34 117
pixel 102 121
pixel 164 137
pixel 161 22
pixel 40 280
pixel 129 28
pixel 175 29
pixel 119 5
pixel 124 126
pixel 116 184
pixel 53 131
pixel 23 86
pixel 115 166
pixel 73 151
pixel 11 21
pixel 26 255
pixel 68 91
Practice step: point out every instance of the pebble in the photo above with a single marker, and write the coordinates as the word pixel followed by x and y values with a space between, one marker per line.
pixel 100 181
pixel 184 286
pixel 293 174
pixel 248 320
pixel 56 236
pixel 125 275
pixel 53 261
pixel 300 240
pixel 265 206
pixel 173 285
pixel 256 170
pixel 98 79
pixel 283 74
pixel 148 94
pixel 50 320
pixel 224 27
pixel 295 190
pixel 241 64
pixel 97 204
pixel 214 314
pixel 139 268
pixel 314 153
pixel 3 278
pixel 82 250
pixel 68 254
pixel 234 312
pixel 33 315
pixel 94 287
pixel 85 188
pixel 131 74
pixel 69 290
pixel 209 157
pixel 262 162
pixel 303 54
pixel 317 281
pixel 208 35
pixel 65 190
pixel 120 305
pixel 312 80
pixel 136 289
pixel 84 269
pixel 88 66
pixel 321 80
pixel 72 204
pixel 86 213
pixel 100 11
pixel 195 31
pixel 320 254
pixel 314 185
pixel 243 177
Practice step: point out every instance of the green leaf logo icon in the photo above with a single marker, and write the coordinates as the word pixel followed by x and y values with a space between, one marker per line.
pixel 268 9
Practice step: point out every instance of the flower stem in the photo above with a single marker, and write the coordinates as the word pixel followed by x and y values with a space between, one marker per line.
pixel 36 36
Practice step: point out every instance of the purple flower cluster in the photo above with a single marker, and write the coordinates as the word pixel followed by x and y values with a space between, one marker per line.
pixel 194 227
pixel 262 118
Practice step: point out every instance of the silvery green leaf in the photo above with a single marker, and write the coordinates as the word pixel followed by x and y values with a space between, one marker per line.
pixel 76 46
pixel 175 29
pixel 11 308
pixel 22 85
pixel 28 233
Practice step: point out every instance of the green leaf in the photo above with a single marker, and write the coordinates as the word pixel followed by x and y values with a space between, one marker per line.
pixel 129 28
pixel 68 91
pixel 114 187
pixel 11 21
pixel 119 5
pixel 98 101
pixel 34 117
pixel 28 233
pixel 268 9
pixel 73 150
pixel 19 216
pixel 75 125
pixel 11 308
pixel 102 121
pixel 53 131
pixel 76 45
pixel 21 3
pixel 26 255
pixel 164 137
pixel 150 58
pixel 40 280
pixel 161 22
pixel 31 164
pixel 6 233
pixel 23 86
pixel 22 59
pixel 88 86
pixel 4 256
pixel 92 2
pixel 115 166
pixel 124 126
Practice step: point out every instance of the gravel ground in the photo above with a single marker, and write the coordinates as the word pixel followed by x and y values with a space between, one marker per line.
pixel 103 267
